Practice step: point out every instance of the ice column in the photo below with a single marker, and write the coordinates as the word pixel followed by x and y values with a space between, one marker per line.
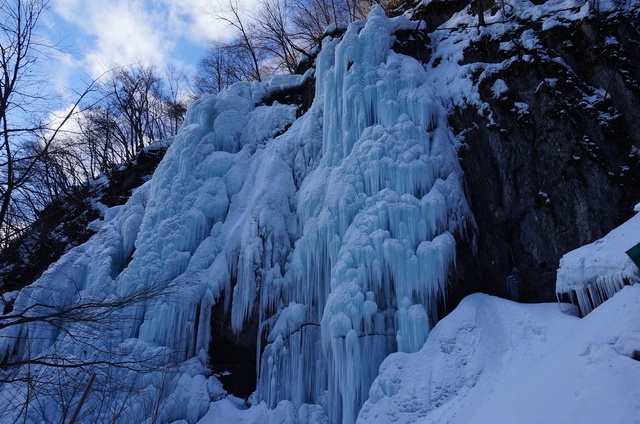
pixel 377 218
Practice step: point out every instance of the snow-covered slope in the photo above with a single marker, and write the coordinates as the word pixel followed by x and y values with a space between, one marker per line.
pixel 495 361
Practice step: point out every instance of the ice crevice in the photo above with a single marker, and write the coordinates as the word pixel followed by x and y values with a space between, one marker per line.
pixel 332 233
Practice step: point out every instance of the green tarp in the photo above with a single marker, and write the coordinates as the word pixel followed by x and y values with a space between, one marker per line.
pixel 634 254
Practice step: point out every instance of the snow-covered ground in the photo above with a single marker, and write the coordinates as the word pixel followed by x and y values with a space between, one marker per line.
pixel 495 361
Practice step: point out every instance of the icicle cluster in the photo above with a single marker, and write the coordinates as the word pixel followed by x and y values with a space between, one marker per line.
pixel 376 218
pixel 595 272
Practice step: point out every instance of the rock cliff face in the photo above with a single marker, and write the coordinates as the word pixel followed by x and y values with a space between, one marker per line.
pixel 551 146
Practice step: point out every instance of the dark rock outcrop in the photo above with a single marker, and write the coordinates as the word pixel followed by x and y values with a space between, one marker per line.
pixel 552 163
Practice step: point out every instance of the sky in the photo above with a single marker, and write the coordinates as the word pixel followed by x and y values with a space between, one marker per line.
pixel 96 35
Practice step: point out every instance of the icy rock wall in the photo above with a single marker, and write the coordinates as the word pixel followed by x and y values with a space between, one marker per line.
pixel 333 231
pixel 182 238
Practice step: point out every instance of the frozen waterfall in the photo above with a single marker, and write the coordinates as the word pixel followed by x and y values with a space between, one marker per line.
pixel 375 217
pixel 334 232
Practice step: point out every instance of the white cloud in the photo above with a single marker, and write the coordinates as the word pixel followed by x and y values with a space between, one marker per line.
pixel 116 32
pixel 121 32
pixel 197 14
pixel 193 21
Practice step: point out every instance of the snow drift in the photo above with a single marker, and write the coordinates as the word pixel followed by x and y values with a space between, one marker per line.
pixel 492 360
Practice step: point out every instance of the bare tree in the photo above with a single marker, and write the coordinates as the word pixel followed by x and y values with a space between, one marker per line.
pixel 41 380
pixel 220 67
pixel 263 44
pixel 246 43
pixel 80 319
pixel 17 57
pixel 102 137
pixel 272 38
pixel 274 29
pixel 310 18
pixel 27 135
pixel 175 102
pixel 132 92
pixel 137 106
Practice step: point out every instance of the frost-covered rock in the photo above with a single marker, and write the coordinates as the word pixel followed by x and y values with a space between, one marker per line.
pixel 547 113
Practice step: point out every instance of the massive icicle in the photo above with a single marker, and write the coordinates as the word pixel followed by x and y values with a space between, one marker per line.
pixel 376 218
pixel 334 232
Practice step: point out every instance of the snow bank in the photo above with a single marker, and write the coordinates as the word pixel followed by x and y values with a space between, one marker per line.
pixel 592 273
pixel 496 361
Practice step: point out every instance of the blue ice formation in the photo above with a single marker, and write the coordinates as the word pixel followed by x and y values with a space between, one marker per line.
pixel 334 232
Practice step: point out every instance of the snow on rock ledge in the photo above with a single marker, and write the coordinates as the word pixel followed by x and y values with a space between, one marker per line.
pixel 593 273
